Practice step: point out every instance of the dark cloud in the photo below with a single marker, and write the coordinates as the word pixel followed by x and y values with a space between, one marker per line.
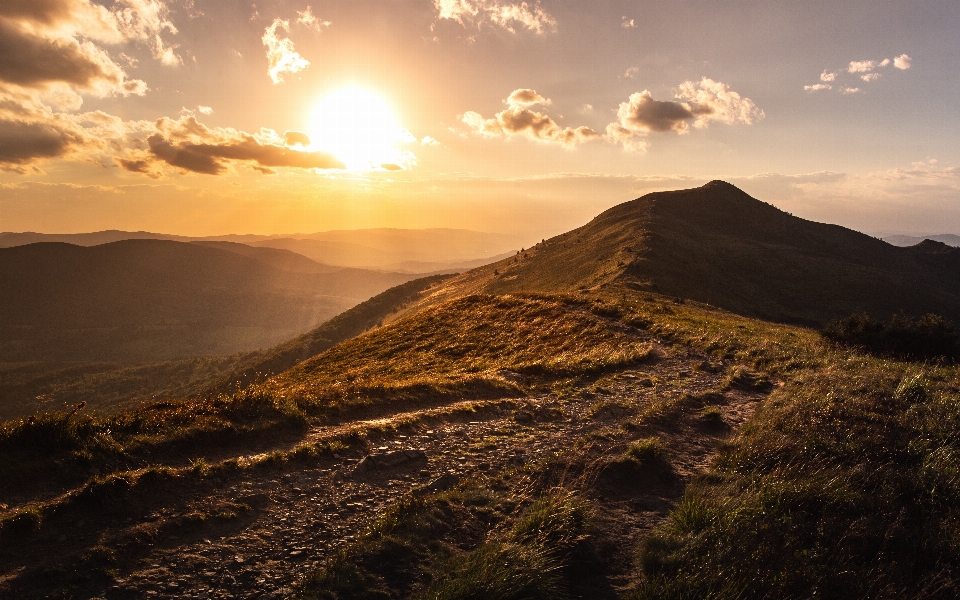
pixel 207 158
pixel 138 166
pixel 22 142
pixel 643 112
pixel 47 12
pixel 294 138
pixel 31 61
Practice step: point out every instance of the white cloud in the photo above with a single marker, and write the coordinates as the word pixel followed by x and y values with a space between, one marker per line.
pixel 475 12
pixel 849 90
pixel 631 72
pixel 519 120
pixel 204 110
pixel 817 87
pixel 828 76
pixel 145 20
pixel 281 54
pixel 698 103
pixel 870 77
pixel 902 62
pixel 307 18
pixel 626 23
pixel 429 141
pixel 861 66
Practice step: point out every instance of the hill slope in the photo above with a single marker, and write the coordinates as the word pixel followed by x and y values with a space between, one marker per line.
pixel 107 387
pixel 148 300
pixel 718 245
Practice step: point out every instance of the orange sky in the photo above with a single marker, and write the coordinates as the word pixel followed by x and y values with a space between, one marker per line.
pixel 200 117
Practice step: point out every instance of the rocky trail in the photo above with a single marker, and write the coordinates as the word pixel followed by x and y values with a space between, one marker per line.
pixel 256 532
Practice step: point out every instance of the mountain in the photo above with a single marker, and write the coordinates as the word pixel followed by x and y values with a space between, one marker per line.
pixel 399 250
pixel 275 257
pixel 148 300
pixel 717 245
pixel 912 240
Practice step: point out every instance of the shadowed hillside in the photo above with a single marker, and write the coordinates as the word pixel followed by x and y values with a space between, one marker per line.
pixel 26 388
pixel 148 300
pixel 718 245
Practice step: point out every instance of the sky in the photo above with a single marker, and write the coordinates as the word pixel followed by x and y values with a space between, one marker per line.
pixel 207 117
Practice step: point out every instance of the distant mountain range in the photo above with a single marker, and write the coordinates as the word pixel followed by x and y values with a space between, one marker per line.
pixel 912 240
pixel 718 245
pixel 146 300
pixel 404 250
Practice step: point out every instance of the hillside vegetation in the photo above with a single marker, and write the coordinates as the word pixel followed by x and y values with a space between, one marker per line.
pixel 717 245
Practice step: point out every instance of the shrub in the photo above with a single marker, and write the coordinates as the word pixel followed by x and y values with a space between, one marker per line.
pixel 929 336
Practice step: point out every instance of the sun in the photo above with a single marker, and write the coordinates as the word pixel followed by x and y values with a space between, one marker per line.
pixel 358 127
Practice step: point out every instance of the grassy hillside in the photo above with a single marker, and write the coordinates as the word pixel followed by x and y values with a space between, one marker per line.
pixel 36 387
pixel 843 485
pixel 147 300
pixel 717 245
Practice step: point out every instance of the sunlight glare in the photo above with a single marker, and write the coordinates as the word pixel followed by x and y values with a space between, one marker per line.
pixel 358 127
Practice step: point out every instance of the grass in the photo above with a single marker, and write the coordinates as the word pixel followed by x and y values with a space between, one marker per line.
pixel 470 542
pixel 466 343
pixel 845 484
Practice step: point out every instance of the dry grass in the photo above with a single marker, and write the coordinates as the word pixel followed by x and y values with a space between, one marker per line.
pixel 471 341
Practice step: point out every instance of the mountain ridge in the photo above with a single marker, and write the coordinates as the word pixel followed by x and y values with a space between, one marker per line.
pixel 718 245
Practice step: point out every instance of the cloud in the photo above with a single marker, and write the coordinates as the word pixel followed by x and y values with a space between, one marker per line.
pixel 518 119
pixel 625 23
pixel 429 141
pixel 204 110
pixel 307 18
pixel 191 146
pixel 698 103
pixel 281 55
pixel 146 20
pixel 631 72
pixel 476 12
pixel 902 62
pixel 138 166
pixel 861 66
pixel 525 97
pixel 296 138
pixel 864 70
pixel 35 62
pixel 23 142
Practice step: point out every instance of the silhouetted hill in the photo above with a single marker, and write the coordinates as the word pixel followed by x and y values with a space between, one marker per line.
pixel 148 300
pixel 407 250
pixel 718 245
pixel 912 240
pixel 275 257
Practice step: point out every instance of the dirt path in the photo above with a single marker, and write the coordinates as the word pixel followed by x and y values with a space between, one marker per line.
pixel 256 536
